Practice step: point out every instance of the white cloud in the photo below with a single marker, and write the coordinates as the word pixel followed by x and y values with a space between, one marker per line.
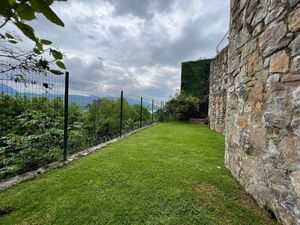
pixel 134 45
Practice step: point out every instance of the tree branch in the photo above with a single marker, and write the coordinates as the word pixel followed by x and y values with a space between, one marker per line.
pixel 5 22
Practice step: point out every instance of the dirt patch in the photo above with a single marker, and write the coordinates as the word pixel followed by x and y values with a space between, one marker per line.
pixel 5 210
pixel 207 189
pixel 248 201
pixel 251 204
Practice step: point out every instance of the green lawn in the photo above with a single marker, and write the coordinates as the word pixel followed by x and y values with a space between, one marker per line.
pixel 171 173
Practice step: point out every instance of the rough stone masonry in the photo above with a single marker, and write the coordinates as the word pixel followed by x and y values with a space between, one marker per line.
pixel 261 114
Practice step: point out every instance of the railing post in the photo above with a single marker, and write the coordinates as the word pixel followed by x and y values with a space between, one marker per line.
pixel 121 114
pixel 152 110
pixel 141 113
pixel 66 114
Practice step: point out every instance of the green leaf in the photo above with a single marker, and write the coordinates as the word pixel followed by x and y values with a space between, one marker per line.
pixel 56 54
pixel 26 12
pixel 5 8
pixel 46 42
pixel 43 64
pixel 36 51
pixel 12 2
pixel 39 46
pixel 61 65
pixel 49 2
pixel 56 72
pixel 43 7
pixel 26 30
pixel 12 41
pixel 8 35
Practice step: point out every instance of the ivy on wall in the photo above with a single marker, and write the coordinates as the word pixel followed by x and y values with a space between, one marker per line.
pixel 195 78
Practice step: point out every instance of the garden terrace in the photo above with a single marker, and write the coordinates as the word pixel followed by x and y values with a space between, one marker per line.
pixel 171 173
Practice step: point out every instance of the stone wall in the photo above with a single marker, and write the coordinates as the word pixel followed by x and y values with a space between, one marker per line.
pixel 263 103
pixel 218 92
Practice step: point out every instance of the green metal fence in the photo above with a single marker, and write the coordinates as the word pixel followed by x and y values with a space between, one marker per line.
pixel 42 120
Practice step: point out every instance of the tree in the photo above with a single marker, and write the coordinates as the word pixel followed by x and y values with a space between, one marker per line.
pixel 19 13
pixel 180 107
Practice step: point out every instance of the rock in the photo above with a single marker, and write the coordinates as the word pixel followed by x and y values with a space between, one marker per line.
pixel 294 20
pixel 40 171
pixel 242 4
pixel 249 48
pixel 234 64
pixel 275 13
pixel 266 63
pixel 295 176
pixel 260 14
pixel 254 63
pixel 242 37
pixel 242 122
pixel 256 93
pixel 258 137
pixel 278 112
pixel 295 46
pixel 279 62
pixel 290 153
pixel 296 65
pixel 273 79
pixel 274 120
pixel 273 34
pixel 273 48
pixel 296 126
pixel 258 29
pixel 293 2
pixel 290 78
pixel 276 3
pixel 242 93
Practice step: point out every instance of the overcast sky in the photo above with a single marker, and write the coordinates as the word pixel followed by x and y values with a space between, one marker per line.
pixel 134 45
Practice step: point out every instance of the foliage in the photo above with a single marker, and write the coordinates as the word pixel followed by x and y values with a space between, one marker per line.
pixel 31 131
pixel 195 78
pixel 180 107
pixel 20 13
pixel 103 116
pixel 171 173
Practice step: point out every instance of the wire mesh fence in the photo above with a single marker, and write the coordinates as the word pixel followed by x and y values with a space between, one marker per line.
pixel 45 117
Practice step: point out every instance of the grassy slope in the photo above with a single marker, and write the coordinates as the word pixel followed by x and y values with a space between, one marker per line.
pixel 168 174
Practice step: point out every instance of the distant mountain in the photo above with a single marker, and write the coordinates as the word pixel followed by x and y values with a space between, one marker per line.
pixel 7 90
pixel 81 100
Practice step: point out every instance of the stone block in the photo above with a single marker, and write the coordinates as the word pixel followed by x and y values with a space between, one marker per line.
pixel 242 37
pixel 273 79
pixel 294 20
pixel 272 35
pixel 258 137
pixel 254 63
pixel 296 65
pixel 295 46
pixel 279 62
pixel 242 122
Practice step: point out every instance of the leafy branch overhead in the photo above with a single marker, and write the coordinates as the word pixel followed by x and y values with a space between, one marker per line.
pixel 20 12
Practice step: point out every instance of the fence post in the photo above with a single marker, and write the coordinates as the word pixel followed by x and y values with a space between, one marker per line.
pixel 152 110
pixel 66 114
pixel 121 114
pixel 141 113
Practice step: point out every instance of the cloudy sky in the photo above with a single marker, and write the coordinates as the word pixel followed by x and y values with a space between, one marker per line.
pixel 134 45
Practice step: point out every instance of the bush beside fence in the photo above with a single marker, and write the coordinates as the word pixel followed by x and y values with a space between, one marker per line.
pixel 37 129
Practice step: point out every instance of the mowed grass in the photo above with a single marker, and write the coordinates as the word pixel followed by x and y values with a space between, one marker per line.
pixel 171 173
